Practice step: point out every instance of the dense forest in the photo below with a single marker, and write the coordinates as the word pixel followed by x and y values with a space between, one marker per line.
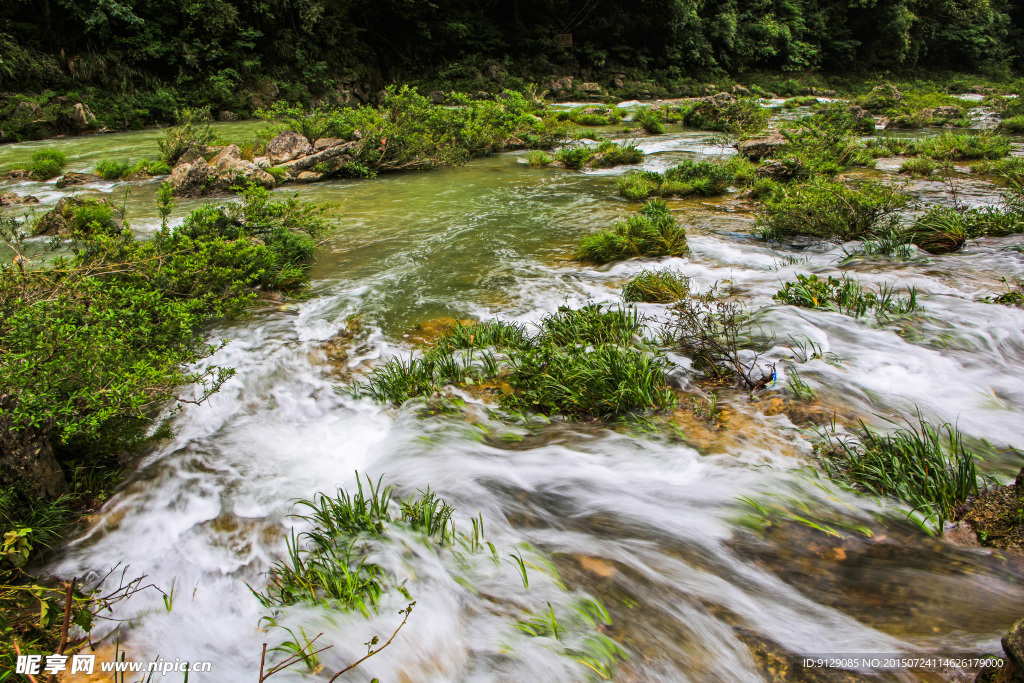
pixel 217 47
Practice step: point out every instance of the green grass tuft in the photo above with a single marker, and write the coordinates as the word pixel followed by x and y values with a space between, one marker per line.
pixel 650 232
pixel 656 287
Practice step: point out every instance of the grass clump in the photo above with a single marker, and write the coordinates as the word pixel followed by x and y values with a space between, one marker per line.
pixel 804 101
pixel 638 185
pixel 1013 296
pixel 729 115
pixel 109 169
pixel 845 295
pixel 826 143
pixel 538 157
pixel 656 287
pixel 919 167
pixel 690 177
pixel 592 115
pixel 650 232
pixel 960 146
pixel 329 566
pixel 830 210
pixel 605 155
pixel 651 120
pixel 925 466
pixel 581 363
pixel 47 164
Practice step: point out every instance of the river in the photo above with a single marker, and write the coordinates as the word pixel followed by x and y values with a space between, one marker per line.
pixel 700 585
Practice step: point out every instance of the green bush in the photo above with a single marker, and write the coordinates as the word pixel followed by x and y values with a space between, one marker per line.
pixel 610 153
pixel 639 184
pixel 193 133
pixel 575 157
pixel 690 177
pixel 650 232
pixel 745 115
pixel 538 157
pixel 47 164
pixel 656 287
pixel 830 210
pixel 109 169
pixel 650 120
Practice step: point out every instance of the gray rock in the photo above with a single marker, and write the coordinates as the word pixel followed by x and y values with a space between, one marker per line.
pixel 226 115
pixel 70 179
pixel 226 158
pixel 495 72
pixel 590 88
pixel 192 179
pixel 308 177
pixel 82 117
pixel 287 146
pixel 948 112
pixel 242 173
pixel 740 91
pixel 560 85
pixel 1013 646
pixel 262 162
pixel 761 148
pixel 12 198
pixel 436 96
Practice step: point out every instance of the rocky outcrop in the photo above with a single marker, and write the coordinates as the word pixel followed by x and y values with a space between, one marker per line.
pixel 591 88
pixel 13 198
pixel 324 143
pixel 225 171
pixel 762 148
pixel 226 115
pixel 71 179
pixel 786 169
pixel 287 146
pixel 560 86
pixel 882 97
pixel 82 117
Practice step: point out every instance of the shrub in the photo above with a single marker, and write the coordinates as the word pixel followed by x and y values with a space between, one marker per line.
pixel 826 143
pixel 745 115
pixel 610 153
pixel 717 334
pixel 656 287
pixel 918 166
pixel 690 177
pixel 650 232
pixel 193 132
pixel 830 210
pixel 926 467
pixel 109 169
pixel 575 157
pixel 846 296
pixel 47 164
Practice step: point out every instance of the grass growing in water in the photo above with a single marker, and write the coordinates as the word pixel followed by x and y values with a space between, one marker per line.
pixel 587 362
pixel 919 167
pixel 925 466
pixel 656 287
pixel 47 164
pixel 964 146
pixel 108 169
pixel 650 232
pixel 605 155
pixel 846 296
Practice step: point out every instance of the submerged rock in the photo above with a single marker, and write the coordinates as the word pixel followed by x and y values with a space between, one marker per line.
pixel 70 179
pixel 287 146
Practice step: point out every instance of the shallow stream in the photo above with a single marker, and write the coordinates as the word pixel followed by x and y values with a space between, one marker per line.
pixel 700 585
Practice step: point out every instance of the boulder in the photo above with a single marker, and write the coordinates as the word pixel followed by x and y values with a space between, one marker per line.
pixel 226 115
pixel 82 117
pixel 192 179
pixel 481 95
pixel 70 179
pixel 12 198
pixel 51 223
pixel 722 99
pixel 560 85
pixel 590 88
pixel 191 155
pixel 243 173
pixel 828 93
pixel 287 146
pixel 308 177
pixel 18 174
pixel 436 96
pixel 262 162
pixel 761 148
pixel 740 91
pixel 343 154
pixel 1013 645
pixel 323 143
pixel 27 459
pixel 226 158
pixel 858 113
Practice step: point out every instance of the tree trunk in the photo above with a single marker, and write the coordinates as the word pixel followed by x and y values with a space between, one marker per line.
pixel 26 457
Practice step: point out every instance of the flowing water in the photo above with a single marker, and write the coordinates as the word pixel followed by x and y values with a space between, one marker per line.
pixel 700 585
